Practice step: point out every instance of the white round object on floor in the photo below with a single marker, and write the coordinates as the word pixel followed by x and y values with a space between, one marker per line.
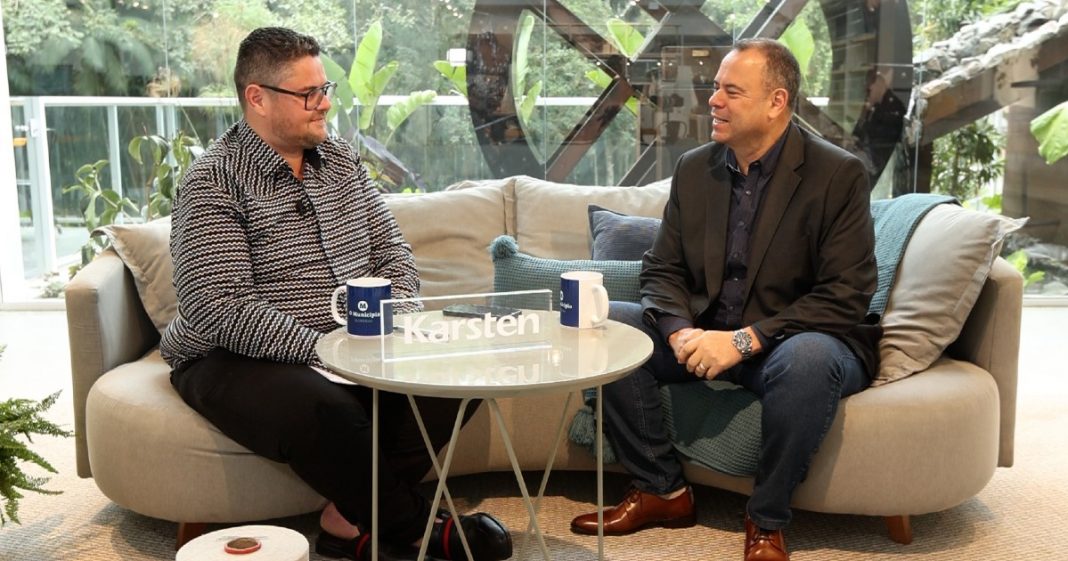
pixel 260 543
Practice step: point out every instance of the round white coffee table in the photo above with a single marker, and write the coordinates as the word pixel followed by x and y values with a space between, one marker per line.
pixel 557 359
pixel 274 544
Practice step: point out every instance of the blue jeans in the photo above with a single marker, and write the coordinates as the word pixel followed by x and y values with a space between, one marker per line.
pixel 799 383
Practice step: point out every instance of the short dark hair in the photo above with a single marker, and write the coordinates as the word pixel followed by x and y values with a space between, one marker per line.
pixel 783 71
pixel 265 55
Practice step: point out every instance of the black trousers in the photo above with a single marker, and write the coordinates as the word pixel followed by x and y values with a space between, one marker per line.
pixel 290 413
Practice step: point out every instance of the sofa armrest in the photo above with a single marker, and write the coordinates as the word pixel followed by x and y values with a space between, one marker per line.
pixel 107 326
pixel 991 339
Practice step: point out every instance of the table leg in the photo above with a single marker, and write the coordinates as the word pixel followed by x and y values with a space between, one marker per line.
pixel 442 473
pixel 374 473
pixel 549 465
pixel 600 472
pixel 518 475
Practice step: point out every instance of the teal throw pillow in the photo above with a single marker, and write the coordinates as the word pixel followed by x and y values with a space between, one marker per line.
pixel 618 236
pixel 513 270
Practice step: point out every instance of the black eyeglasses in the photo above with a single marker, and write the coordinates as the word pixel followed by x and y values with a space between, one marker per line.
pixel 313 98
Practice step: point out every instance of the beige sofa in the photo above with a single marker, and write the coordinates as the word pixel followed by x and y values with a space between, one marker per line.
pixel 921 444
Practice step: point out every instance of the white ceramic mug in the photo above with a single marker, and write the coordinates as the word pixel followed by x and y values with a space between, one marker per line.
pixel 583 299
pixel 363 300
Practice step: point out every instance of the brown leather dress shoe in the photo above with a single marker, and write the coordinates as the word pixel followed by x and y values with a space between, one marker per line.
pixel 639 510
pixel 764 545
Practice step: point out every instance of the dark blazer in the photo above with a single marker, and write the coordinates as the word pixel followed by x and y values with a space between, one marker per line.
pixel 812 253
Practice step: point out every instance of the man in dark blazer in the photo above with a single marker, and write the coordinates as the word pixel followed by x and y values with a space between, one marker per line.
pixel 761 275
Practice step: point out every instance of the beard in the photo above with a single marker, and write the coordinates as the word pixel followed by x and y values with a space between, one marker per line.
pixel 314 135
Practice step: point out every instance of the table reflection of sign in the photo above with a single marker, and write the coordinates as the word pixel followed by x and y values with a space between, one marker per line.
pixel 582 355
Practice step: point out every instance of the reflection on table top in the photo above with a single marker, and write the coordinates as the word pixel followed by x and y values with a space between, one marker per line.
pixel 555 358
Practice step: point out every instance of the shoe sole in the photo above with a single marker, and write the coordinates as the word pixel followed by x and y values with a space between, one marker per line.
pixel 683 522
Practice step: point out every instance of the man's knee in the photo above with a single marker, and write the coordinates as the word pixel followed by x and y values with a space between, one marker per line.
pixel 811 358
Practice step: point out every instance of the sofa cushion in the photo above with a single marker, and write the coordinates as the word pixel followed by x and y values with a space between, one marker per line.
pixel 449 233
pixel 513 270
pixel 496 183
pixel 146 251
pixel 618 236
pixel 548 215
pixel 938 280
pixel 153 454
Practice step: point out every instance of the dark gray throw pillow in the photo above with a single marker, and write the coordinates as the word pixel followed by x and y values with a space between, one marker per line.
pixel 620 237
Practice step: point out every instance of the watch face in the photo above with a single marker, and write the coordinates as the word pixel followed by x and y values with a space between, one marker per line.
pixel 743 342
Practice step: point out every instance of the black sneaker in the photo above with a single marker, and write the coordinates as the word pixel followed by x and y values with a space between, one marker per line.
pixel 488 538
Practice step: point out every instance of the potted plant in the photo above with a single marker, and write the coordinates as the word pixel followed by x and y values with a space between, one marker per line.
pixel 20 419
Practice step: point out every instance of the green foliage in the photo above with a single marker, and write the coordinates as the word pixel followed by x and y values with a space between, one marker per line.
pixel 967 159
pixel 1050 129
pixel 21 419
pixel 624 36
pixel 992 203
pixel 400 111
pixel 603 80
pixel 364 81
pixel 102 206
pixel 29 25
pixel 936 20
pixel 53 285
pixel 529 96
pixel 800 41
pixel 1019 260
pixel 171 158
pixel 84 43
pixel 456 75
pixel 326 20
pixel 215 37
pixel 629 41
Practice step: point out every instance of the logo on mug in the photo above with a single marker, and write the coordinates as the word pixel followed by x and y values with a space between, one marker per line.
pixel 362 305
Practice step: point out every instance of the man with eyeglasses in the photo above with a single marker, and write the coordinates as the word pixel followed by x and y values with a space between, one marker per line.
pixel 266 223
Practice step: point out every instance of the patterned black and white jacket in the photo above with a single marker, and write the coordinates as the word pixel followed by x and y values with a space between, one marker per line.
pixel 257 252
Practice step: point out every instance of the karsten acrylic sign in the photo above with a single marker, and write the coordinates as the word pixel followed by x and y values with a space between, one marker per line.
pixel 467 324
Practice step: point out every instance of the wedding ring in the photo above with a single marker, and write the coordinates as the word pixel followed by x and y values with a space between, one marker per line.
pixel 702 366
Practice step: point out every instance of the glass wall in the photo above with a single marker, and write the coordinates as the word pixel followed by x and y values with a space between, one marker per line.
pixel 929 94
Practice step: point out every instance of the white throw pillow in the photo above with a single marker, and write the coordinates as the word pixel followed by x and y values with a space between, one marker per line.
pixel 449 232
pixel 938 281
pixel 146 251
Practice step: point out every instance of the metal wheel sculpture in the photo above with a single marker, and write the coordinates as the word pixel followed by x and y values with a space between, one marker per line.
pixel 871 81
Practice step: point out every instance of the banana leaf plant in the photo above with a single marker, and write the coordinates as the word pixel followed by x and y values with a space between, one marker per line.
pixel 1050 129
pixel 358 92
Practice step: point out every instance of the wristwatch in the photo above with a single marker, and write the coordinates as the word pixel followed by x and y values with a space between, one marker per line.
pixel 743 342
